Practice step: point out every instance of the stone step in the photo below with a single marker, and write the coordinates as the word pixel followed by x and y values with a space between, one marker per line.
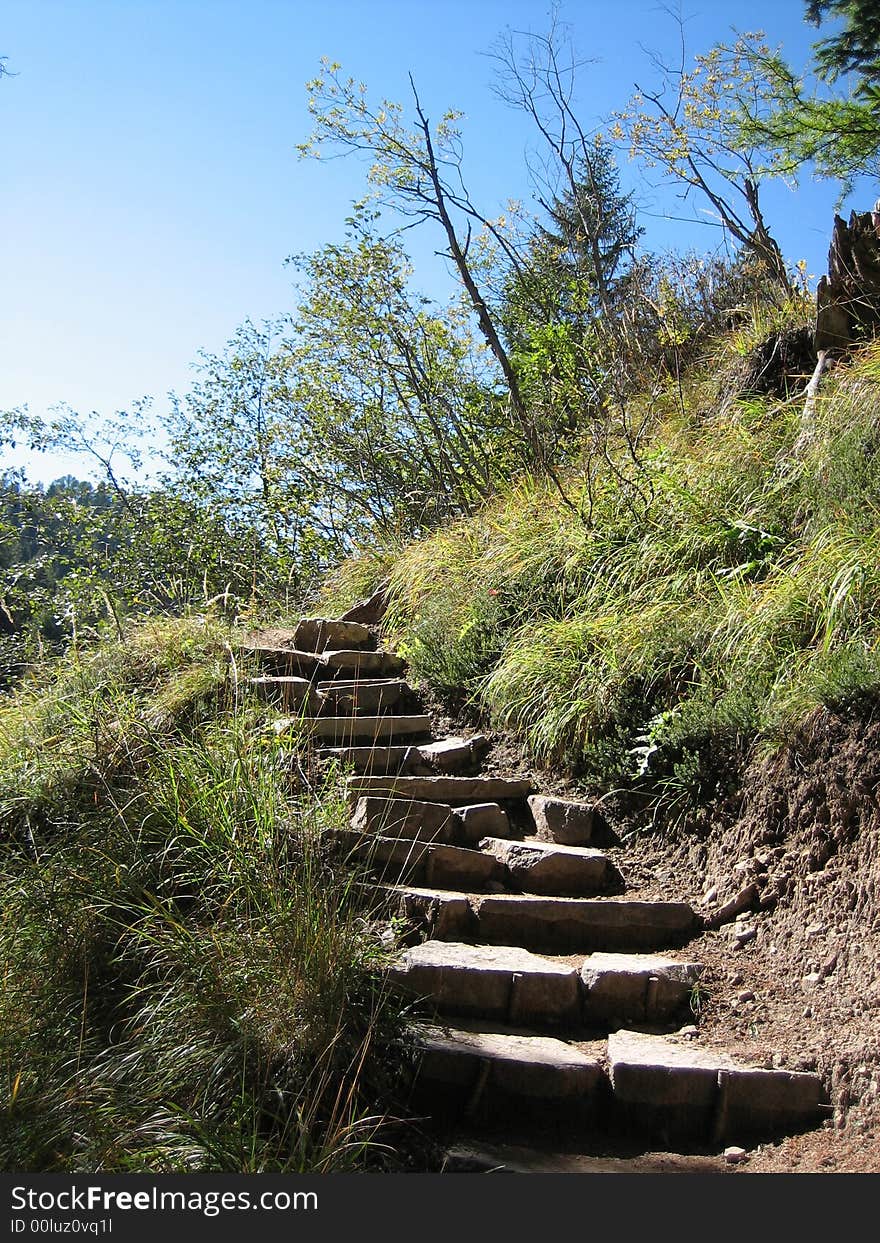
pixel 424 862
pixel 291 692
pixel 476 821
pixel 400 817
pixel 636 988
pixel 545 868
pixel 345 729
pixel 309 664
pixel 453 790
pixel 316 634
pixel 570 823
pixel 440 913
pixel 377 664
pixel 479 1072
pixel 570 925
pixel 465 825
pixel 387 761
pixel 561 925
pixel 364 695
pixel 673 1087
pixel 483 1156
pixel 418 760
pixel 504 983
pixel 453 755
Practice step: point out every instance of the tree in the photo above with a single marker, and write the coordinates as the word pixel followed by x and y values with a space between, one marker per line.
pixel 856 48
pixel 564 303
pixel 695 128
pixel 368 412
pixel 391 390
pixel 808 122
pixel 417 171
pixel 587 221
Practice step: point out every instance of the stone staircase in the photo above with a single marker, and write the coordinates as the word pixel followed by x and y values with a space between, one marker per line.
pixel 541 993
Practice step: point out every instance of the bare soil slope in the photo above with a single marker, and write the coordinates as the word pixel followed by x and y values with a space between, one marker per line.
pixel 804 991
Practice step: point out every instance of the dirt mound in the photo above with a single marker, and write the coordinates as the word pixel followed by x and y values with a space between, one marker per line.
pixel 795 982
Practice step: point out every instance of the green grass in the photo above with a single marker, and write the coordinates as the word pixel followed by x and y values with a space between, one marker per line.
pixel 190 980
pixel 662 645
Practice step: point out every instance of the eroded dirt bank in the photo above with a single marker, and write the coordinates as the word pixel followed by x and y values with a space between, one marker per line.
pixel 795 980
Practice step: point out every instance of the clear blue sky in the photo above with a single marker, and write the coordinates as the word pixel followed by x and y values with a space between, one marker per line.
pixel 151 189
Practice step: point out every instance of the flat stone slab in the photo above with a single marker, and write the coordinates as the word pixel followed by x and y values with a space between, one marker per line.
pixel 636 988
pixel 442 913
pixel 364 695
pixel 481 1157
pixel 451 755
pixel 385 760
pixel 360 728
pixel 443 789
pixel 280 656
pixel 476 821
pixel 568 822
pixel 379 664
pixel 497 982
pixel 572 924
pixel 678 1087
pixel 545 868
pixel 316 634
pixel 292 692
pixel 525 1067
pixel 429 863
pixel 399 817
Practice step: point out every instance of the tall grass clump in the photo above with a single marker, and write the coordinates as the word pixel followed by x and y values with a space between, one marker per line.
pixel 190 979
pixel 662 643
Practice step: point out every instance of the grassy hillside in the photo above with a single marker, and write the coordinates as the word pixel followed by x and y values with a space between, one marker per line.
pixel 706 608
pixel 188 984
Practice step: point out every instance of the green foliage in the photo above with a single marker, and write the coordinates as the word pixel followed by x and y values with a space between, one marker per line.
pixel 856 48
pixel 78 558
pixel 395 407
pixel 803 119
pixel 189 982
pixel 566 292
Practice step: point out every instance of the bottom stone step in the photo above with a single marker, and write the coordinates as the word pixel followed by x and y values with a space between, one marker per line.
pixel 480 1072
pixel 486 1157
pixel 673 1087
